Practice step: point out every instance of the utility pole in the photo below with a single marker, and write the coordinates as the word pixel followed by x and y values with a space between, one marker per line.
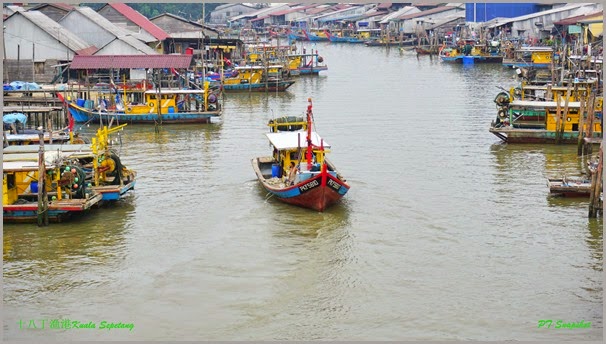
pixel 203 12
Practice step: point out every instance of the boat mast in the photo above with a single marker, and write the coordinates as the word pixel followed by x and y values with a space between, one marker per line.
pixel 309 148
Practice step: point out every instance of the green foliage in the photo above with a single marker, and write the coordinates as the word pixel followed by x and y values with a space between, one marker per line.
pixel 191 11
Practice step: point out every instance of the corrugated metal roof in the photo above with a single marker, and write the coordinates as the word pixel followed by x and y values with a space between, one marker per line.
pixel 131 61
pixel 63 6
pixel 101 21
pixel 403 11
pixel 537 14
pixel 137 44
pixel 427 12
pixel 176 17
pixel 575 19
pixel 261 12
pixel 140 20
pixel 120 33
pixel 260 18
pixel 58 32
pixel 447 21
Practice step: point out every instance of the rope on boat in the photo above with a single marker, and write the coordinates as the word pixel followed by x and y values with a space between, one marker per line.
pixel 268 196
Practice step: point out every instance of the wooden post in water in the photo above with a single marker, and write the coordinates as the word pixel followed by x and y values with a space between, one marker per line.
pixel 581 135
pixel 558 118
pixel 564 114
pixel 49 127
pixel 590 123
pixel 596 186
pixel 266 71
pixel 159 95
pixel 42 199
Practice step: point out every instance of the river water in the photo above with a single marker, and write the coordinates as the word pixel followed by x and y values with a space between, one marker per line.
pixel 445 233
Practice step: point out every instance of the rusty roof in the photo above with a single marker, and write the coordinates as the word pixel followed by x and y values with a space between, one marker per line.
pixel 131 61
pixel 140 20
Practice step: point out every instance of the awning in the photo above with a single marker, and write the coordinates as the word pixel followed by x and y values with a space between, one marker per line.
pixel 292 140
pixel 596 29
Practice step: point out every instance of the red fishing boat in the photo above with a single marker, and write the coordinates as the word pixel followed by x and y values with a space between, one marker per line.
pixel 298 172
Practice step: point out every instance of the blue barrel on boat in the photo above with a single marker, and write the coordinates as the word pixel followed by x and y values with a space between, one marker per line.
pixel 275 171
pixel 171 109
pixel 467 60
pixel 33 186
pixel 80 102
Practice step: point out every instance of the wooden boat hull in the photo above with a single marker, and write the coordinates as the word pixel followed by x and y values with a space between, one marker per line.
pixel 149 118
pixel 388 44
pixel 513 135
pixel 570 188
pixel 259 87
pixel 318 192
pixel 525 64
pixel 113 192
pixel 58 210
pixel 475 58
pixel 311 70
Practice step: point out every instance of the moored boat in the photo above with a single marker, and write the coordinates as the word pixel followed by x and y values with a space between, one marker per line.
pixel 344 36
pixel 20 190
pixel 470 53
pixel 306 63
pixel 298 172
pixel 258 79
pixel 537 57
pixel 523 121
pixel 165 106
pixel 78 176
pixel 570 186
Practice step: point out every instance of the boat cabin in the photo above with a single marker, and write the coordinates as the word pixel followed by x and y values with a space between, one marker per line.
pixel 530 57
pixel 544 115
pixel 292 147
pixel 174 101
pixel 545 92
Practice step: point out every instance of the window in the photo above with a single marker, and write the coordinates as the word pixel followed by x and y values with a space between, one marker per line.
pixel 38 67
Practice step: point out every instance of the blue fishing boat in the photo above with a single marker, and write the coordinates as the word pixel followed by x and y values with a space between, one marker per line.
pixel 258 79
pixel 165 106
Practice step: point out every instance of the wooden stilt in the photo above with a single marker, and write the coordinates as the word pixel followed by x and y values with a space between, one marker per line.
pixel 595 204
pixel 564 115
pixel 558 119
pixel 582 109
pixel 590 123
pixel 42 198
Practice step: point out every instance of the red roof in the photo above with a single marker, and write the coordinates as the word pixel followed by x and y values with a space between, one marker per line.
pixel 260 18
pixel 87 51
pixel 140 20
pixel 384 5
pixel 130 61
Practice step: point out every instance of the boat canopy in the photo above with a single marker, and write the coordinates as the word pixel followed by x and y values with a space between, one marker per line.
pixel 535 49
pixel 291 140
pixel 49 156
pixel 257 67
pixel 169 91
pixel 22 166
pixel 543 104
pixel 85 147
